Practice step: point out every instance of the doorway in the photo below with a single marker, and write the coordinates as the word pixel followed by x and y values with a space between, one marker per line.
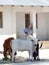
pixel 27 20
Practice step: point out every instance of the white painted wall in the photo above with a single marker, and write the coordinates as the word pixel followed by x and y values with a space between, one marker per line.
pixel 43 26
pixel 13 16
pixel 42 32
pixel 20 24
pixel 47 24
pixel 7 30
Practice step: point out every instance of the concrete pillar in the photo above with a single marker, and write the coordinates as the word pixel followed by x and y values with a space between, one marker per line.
pixel 13 15
pixel 34 23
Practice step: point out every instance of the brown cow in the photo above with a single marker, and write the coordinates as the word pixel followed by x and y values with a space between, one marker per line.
pixel 7 47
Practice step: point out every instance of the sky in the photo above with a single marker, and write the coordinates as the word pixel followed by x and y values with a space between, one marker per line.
pixel 25 2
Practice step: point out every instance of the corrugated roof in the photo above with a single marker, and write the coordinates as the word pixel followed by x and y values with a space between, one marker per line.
pixel 25 2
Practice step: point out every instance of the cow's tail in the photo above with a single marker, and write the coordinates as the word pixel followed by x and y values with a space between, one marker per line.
pixel 41 45
pixel 11 44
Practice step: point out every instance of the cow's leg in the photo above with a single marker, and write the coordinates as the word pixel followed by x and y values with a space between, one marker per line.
pixel 5 54
pixel 12 56
pixel 30 55
pixel 10 53
pixel 34 55
pixel 38 58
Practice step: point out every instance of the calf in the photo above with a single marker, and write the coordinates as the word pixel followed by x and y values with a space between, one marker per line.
pixel 7 47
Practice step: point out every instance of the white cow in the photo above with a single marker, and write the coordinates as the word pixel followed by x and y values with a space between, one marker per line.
pixel 22 45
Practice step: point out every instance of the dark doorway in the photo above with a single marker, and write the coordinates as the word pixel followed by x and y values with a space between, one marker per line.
pixel 27 20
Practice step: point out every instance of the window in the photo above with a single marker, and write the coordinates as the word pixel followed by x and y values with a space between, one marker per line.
pixel 1 22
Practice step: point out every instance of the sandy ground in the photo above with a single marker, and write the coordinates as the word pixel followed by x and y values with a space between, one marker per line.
pixel 43 54
pixel 29 63
pixel 41 62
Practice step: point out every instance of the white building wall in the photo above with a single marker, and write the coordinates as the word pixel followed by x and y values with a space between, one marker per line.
pixel 13 16
pixel 43 26
pixel 20 24
pixel 6 21
pixel 47 24
pixel 41 31
pixel 7 30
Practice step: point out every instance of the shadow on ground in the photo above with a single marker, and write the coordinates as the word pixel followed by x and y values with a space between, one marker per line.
pixel 26 61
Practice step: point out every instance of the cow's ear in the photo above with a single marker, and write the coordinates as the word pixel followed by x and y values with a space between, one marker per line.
pixel 32 40
pixel 38 40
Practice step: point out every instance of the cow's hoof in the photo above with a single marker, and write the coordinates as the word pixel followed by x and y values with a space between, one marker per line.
pixel 12 61
pixel 34 59
pixel 28 59
pixel 31 60
pixel 38 59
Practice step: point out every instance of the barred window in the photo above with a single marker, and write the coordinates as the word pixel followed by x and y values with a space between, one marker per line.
pixel 1 21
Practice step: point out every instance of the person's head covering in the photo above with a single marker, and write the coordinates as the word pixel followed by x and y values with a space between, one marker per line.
pixel 30 27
